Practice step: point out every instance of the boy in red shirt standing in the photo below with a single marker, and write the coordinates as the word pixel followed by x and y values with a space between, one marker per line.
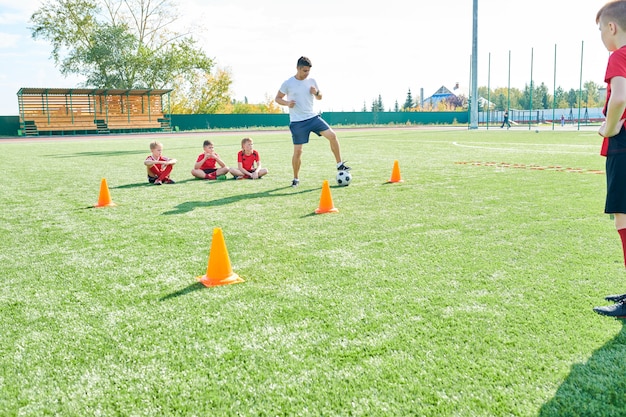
pixel 158 166
pixel 611 20
pixel 206 164
pixel 248 162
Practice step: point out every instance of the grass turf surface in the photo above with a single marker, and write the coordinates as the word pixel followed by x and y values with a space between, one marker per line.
pixel 465 290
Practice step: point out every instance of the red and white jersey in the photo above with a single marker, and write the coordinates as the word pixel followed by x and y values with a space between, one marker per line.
pixel 156 167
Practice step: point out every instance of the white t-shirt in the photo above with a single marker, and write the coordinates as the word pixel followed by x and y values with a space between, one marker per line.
pixel 300 92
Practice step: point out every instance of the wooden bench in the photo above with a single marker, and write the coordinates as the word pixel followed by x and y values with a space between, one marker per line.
pixel 59 123
pixel 135 121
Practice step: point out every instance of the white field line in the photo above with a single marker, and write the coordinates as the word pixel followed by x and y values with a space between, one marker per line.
pixel 546 147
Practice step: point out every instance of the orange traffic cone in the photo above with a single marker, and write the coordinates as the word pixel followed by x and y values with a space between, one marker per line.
pixel 395 173
pixel 326 201
pixel 104 200
pixel 219 271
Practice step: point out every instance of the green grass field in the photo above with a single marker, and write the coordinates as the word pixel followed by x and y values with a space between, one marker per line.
pixel 466 290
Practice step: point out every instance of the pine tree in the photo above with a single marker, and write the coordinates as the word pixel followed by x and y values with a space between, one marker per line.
pixel 377 104
pixel 409 101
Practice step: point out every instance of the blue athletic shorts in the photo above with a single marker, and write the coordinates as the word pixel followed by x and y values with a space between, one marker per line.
pixel 300 130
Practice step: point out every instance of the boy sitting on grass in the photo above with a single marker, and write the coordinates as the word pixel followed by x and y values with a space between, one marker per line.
pixel 206 167
pixel 159 167
pixel 248 162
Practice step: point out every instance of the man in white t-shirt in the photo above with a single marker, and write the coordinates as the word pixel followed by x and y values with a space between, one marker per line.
pixel 300 92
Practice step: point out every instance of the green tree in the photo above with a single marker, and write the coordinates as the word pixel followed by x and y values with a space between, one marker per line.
pixel 118 43
pixel 515 97
pixel 268 106
pixel 540 97
pixel 202 93
pixel 543 98
pixel 592 94
pixel 560 98
pixel 500 101
pixel 572 98
pixel 408 103
pixel 377 105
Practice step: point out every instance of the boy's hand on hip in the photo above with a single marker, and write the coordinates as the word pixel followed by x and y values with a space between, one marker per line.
pixel 604 132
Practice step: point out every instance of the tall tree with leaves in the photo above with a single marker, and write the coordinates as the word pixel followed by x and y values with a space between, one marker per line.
pixel 119 43
pixel 206 94
pixel 540 97
pixel 592 94
pixel 572 98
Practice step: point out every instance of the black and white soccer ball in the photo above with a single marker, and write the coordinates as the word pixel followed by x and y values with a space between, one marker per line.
pixel 344 178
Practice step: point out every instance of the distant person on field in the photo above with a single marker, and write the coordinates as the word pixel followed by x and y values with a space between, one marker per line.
pixel 209 166
pixel 506 121
pixel 562 120
pixel 159 167
pixel 248 162
pixel 611 20
pixel 300 91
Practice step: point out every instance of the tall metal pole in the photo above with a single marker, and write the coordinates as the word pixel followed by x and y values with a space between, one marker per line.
pixel 488 90
pixel 474 87
pixel 530 112
pixel 469 107
pixel 554 90
pixel 580 88
pixel 508 88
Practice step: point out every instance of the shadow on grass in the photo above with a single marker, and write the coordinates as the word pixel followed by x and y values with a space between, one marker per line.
pixel 191 205
pixel 147 184
pixel 99 153
pixel 196 286
pixel 594 388
pixel 133 185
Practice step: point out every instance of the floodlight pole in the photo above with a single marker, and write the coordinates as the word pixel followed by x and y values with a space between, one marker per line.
pixel 474 86
pixel 488 90
pixel 508 87
pixel 580 86
pixel 530 106
pixel 554 90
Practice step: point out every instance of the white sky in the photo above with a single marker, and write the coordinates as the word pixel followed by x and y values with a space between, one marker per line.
pixel 359 49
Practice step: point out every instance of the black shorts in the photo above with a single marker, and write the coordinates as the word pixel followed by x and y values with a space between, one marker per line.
pixel 616 174
pixel 209 171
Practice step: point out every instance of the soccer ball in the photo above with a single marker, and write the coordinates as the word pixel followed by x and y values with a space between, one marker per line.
pixel 343 178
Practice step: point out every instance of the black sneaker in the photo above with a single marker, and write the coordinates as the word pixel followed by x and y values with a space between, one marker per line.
pixel 295 182
pixel 343 167
pixel 615 298
pixel 617 310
